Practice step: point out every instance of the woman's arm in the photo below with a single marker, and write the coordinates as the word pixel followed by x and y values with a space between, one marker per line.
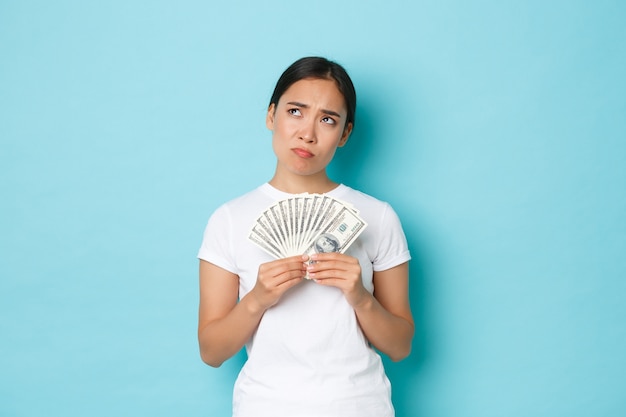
pixel 225 325
pixel 385 317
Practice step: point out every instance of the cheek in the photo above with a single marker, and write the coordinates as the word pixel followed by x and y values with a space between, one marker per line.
pixel 282 128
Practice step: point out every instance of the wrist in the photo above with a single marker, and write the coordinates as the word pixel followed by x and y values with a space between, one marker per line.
pixel 364 303
pixel 253 305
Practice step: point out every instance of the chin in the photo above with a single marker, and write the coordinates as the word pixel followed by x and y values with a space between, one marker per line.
pixel 303 170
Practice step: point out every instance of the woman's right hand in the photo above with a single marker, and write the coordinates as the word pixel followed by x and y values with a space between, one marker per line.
pixel 276 277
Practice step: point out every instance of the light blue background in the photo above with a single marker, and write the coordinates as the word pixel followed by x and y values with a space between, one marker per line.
pixel 496 129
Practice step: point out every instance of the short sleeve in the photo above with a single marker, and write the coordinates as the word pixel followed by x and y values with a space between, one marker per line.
pixel 217 241
pixel 392 245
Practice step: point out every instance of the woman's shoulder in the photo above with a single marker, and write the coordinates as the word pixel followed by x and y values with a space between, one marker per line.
pixel 360 199
pixel 375 211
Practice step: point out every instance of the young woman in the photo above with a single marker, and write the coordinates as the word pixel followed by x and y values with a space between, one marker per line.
pixel 310 342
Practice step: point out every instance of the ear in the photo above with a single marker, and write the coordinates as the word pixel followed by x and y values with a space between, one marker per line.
pixel 269 118
pixel 345 135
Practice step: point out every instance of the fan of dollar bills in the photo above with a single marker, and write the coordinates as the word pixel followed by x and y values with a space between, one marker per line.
pixel 307 224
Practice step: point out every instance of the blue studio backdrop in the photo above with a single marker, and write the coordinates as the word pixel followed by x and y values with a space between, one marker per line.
pixel 497 130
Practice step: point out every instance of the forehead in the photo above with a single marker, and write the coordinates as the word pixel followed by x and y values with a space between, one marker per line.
pixel 315 92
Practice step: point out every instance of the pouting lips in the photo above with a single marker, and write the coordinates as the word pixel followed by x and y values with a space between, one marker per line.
pixel 302 153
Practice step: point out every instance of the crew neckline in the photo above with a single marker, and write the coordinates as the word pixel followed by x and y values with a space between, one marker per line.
pixel 277 194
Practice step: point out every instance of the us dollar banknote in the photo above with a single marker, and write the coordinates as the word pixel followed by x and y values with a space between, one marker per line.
pixel 306 224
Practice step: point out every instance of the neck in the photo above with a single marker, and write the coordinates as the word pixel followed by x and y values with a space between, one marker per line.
pixel 297 184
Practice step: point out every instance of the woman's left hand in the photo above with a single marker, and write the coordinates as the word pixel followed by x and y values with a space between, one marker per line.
pixel 342 271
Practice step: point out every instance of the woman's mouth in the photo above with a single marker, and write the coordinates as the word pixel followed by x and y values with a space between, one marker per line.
pixel 302 153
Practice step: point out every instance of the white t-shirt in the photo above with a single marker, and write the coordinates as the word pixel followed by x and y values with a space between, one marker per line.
pixel 308 357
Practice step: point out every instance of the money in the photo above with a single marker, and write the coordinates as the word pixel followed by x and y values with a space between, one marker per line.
pixel 306 224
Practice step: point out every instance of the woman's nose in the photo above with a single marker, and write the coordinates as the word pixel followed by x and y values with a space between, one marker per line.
pixel 307 133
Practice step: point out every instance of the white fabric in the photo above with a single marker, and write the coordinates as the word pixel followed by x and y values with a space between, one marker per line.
pixel 308 357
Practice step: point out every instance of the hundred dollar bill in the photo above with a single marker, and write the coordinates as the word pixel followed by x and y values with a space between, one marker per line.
pixel 318 219
pixel 267 223
pixel 306 223
pixel 278 226
pixel 338 234
pixel 258 236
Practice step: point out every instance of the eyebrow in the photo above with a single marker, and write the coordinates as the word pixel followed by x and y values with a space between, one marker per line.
pixel 306 106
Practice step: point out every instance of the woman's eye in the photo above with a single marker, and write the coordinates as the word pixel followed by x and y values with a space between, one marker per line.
pixel 294 112
pixel 328 120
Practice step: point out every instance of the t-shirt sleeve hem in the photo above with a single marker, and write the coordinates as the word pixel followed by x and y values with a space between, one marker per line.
pixel 217 262
pixel 395 261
